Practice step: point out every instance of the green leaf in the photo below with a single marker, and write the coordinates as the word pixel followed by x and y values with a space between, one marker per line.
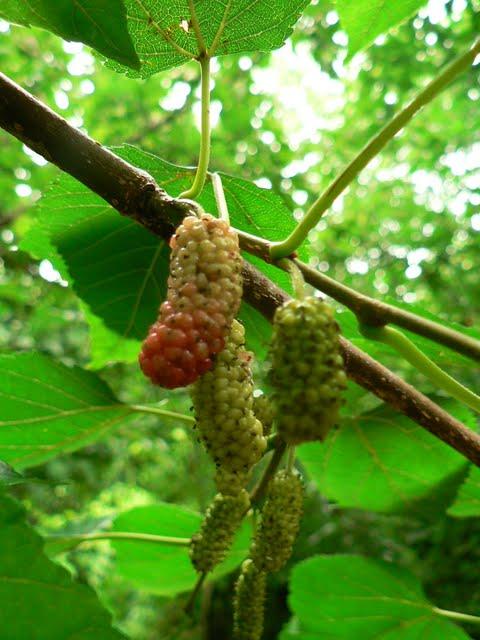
pixel 353 597
pixel 364 21
pixel 467 503
pixel 293 630
pixel 106 345
pixel 119 269
pixel 49 408
pixel 164 37
pixel 382 461
pixel 165 569
pixel 8 475
pixel 102 24
pixel 39 598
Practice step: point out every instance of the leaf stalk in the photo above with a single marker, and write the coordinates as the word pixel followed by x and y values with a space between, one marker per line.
pixel 80 538
pixel 205 131
pixel 405 347
pixel 288 246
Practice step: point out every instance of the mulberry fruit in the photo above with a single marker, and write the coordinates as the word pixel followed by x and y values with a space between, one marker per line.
pixel 307 370
pixel 210 545
pixel 223 405
pixel 263 409
pixel 204 295
pixel 249 603
pixel 279 524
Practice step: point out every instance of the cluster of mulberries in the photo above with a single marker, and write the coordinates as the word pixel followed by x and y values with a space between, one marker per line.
pixel 307 370
pixel 226 422
pixel 249 602
pixel 271 548
pixel 204 294
pixel 279 524
pixel 210 545
pixel 263 409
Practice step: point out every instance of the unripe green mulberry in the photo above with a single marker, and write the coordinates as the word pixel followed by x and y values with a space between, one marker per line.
pixel 307 370
pixel 264 411
pixel 280 521
pixel 210 545
pixel 223 405
pixel 204 294
pixel 248 604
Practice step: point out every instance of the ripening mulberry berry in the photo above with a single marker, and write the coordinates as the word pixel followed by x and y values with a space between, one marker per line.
pixel 248 603
pixel 263 409
pixel 307 370
pixel 223 405
pixel 204 294
pixel 279 524
pixel 210 545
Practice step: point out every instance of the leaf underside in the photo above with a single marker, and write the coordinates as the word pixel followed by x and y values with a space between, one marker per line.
pixel 164 36
pixel 102 24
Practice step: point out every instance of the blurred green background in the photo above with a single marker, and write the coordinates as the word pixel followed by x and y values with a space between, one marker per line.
pixel 408 229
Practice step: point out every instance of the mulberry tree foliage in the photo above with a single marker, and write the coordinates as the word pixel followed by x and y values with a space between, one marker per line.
pixel 80 284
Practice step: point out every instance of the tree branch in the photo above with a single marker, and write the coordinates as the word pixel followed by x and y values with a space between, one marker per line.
pixel 369 311
pixel 135 194
pixel 377 313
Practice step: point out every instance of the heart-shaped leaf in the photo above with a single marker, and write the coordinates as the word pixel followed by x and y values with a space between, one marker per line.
pixel 102 24
pixel 382 461
pixel 48 408
pixel 354 597
pixel 166 34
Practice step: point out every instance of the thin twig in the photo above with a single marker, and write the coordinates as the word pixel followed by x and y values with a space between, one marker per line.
pixel 368 310
pixel 195 591
pixel 259 491
pixel 377 313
